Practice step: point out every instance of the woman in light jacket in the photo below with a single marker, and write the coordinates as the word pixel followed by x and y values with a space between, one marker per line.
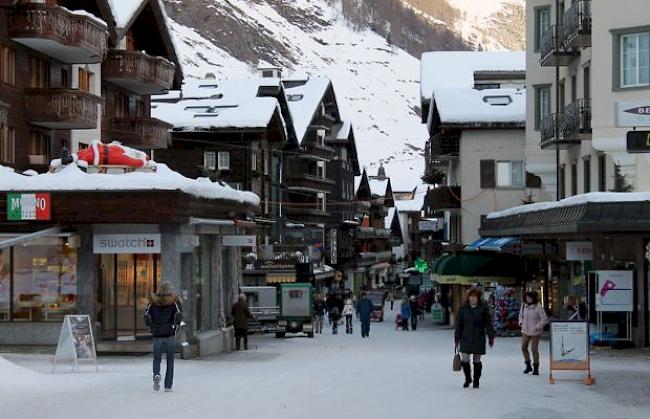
pixel 532 319
pixel 348 312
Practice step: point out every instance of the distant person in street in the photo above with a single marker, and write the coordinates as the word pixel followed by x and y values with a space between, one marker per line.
pixel 365 307
pixel 532 319
pixel 163 317
pixel 348 312
pixel 319 313
pixel 335 315
pixel 415 312
pixel 405 312
pixel 330 302
pixel 473 323
pixel 391 299
pixel 241 314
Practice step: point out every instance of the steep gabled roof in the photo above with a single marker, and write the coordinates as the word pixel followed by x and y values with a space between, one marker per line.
pixel 305 98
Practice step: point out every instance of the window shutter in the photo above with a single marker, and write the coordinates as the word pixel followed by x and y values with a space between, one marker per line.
pixel 488 175
pixel 533 181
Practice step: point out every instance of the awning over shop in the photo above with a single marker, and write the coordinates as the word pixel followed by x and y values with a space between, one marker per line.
pixel 280 278
pixel 468 269
pixel 493 244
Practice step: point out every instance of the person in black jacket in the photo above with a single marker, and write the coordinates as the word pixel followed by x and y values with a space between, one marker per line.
pixel 319 312
pixel 163 318
pixel 473 323
pixel 415 312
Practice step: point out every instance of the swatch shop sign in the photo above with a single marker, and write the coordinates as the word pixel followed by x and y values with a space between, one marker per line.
pixel 126 243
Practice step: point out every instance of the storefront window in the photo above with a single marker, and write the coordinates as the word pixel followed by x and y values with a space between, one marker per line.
pixel 44 280
pixel 5 277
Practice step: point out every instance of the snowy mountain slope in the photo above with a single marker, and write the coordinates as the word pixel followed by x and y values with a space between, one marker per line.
pixel 376 85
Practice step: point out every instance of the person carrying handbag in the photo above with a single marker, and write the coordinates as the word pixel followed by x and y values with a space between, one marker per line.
pixel 532 319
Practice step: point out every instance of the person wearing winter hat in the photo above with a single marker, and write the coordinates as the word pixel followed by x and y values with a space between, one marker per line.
pixel 473 324
pixel 532 319
pixel 241 314
pixel 163 317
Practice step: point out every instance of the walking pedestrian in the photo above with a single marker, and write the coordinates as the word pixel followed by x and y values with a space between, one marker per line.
pixel 532 319
pixel 415 312
pixel 348 312
pixel 473 323
pixel 163 317
pixel 335 315
pixel 241 315
pixel 405 312
pixel 391 299
pixel 319 313
pixel 365 307
pixel 330 302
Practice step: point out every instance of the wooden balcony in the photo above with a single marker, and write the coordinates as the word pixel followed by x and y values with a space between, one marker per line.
pixel 553 51
pixel 306 214
pixel 139 132
pixel 443 147
pixel 59 33
pixel 61 108
pixel 138 72
pixel 444 198
pixel 321 151
pixel 309 183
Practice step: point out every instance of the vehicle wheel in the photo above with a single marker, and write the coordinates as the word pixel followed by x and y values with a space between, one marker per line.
pixel 310 334
pixel 279 335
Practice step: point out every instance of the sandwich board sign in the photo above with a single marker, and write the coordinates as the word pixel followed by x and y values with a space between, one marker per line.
pixel 570 348
pixel 76 341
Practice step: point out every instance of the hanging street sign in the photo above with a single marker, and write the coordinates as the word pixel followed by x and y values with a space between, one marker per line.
pixel 29 206
pixel 638 141
pixel 630 114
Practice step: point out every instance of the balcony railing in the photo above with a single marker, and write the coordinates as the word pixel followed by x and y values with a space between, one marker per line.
pixel 140 132
pixel 306 214
pixel 321 151
pixel 61 108
pixel 309 183
pixel 567 128
pixel 553 52
pixel 577 25
pixel 59 33
pixel 443 198
pixel 138 72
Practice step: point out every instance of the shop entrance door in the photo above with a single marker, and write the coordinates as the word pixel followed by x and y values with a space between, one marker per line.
pixel 127 280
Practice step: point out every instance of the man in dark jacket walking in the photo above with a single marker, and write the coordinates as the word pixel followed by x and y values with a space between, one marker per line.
pixel 241 315
pixel 365 308
pixel 473 323
pixel 163 318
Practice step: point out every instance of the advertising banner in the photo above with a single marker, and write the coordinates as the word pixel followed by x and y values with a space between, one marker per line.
pixel 76 341
pixel 29 206
pixel 569 345
pixel 615 291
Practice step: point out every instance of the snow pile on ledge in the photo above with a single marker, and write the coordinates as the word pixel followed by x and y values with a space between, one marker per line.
pixel 593 197
pixel 470 105
pixel 72 178
pixel 123 10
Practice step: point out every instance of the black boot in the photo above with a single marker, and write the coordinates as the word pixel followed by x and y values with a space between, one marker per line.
pixel 528 367
pixel 535 369
pixel 478 368
pixel 467 369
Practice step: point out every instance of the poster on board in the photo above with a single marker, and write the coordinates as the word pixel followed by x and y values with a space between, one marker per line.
pixel 76 341
pixel 569 346
pixel 615 291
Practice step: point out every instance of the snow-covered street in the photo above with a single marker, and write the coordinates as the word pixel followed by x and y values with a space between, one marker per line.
pixel 392 374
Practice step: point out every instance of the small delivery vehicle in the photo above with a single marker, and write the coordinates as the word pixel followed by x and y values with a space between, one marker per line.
pixel 296 314
pixel 377 298
pixel 263 303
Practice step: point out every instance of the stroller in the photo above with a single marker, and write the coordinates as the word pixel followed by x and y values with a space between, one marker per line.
pixel 399 322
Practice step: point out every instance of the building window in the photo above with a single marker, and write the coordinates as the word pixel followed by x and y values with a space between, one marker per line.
pixel 85 80
pixel 635 60
pixel 209 160
pixel 121 105
pixel 265 163
pixel 602 173
pixel 562 93
pixel 38 145
pixel 562 182
pixel 542 104
pixel 39 73
pixel 320 137
pixel 44 275
pixel 574 88
pixel 574 179
pixel 140 108
pixel 254 162
pixel 586 175
pixel 8 65
pixel 542 24
pixel 7 144
pixel 64 78
pixel 510 174
pixel 586 82
pixel 322 201
pixel 224 160
pixel 320 169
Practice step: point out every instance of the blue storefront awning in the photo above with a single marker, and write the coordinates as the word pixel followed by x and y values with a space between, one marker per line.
pixel 493 244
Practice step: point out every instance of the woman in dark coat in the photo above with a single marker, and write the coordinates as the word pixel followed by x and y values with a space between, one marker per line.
pixel 473 324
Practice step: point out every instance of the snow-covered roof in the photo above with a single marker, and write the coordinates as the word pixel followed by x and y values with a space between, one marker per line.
pixel 593 197
pixel 72 178
pixel 125 10
pixel 304 100
pixel 410 205
pixel 466 105
pixel 455 69
pixel 378 186
pixel 344 132
pixel 217 104
pixel 388 221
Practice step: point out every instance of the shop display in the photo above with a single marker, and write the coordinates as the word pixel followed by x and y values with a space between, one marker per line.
pixel 506 307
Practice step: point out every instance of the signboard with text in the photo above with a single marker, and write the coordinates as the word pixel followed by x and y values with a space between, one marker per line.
pixel 29 206
pixel 239 241
pixel 126 243
pixel 615 291
pixel 638 142
pixel 630 114
pixel 569 345
pixel 76 341
pixel 579 251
